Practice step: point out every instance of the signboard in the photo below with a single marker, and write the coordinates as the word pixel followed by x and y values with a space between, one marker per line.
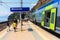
pixel 19 9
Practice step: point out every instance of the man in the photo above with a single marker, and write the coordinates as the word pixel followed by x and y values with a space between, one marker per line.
pixel 22 18
pixel 8 25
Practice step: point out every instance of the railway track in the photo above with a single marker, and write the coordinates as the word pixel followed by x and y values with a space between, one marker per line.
pixel 3 25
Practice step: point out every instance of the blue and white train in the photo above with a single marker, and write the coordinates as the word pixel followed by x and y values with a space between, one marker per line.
pixel 48 16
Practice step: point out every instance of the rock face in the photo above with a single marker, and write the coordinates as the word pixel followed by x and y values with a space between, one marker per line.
pixel 39 4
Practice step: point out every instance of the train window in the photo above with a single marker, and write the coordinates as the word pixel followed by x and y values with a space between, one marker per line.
pixel 48 13
pixel 43 16
pixel 52 19
pixel 33 15
pixel 58 25
pixel 47 18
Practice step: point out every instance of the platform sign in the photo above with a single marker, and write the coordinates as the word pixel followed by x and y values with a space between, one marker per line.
pixel 19 9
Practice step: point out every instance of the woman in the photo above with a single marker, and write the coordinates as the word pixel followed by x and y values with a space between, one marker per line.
pixel 14 26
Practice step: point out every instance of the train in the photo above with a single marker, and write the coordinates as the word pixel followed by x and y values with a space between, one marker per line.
pixel 48 16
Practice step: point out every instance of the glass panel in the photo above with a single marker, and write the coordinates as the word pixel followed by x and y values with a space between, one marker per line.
pixel 58 25
pixel 52 19
pixel 43 16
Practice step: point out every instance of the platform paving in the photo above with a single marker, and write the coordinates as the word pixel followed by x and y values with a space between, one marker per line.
pixel 27 33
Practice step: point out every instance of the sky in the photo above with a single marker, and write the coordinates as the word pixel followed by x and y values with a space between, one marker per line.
pixel 5 6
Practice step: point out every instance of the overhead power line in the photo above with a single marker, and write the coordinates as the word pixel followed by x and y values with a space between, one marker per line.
pixel 18 2
pixel 1 3
pixel 4 3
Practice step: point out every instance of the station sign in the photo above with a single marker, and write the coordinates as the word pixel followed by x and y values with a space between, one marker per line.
pixel 19 9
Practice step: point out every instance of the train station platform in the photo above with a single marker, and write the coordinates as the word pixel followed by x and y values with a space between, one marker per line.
pixel 29 31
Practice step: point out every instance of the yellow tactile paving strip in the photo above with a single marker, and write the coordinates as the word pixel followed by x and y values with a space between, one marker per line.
pixel 24 35
pixel 45 35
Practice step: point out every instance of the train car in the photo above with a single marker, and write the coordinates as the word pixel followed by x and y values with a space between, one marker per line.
pixel 49 16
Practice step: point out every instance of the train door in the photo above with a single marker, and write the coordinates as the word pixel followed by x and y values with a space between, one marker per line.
pixel 47 18
pixel 43 17
pixel 53 18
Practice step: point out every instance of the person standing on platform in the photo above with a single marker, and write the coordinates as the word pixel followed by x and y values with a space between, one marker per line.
pixel 8 25
pixel 22 18
pixel 15 25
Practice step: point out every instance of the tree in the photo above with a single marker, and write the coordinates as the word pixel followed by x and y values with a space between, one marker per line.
pixel 13 16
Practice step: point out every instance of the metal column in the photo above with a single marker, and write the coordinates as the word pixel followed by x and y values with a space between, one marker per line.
pixel 20 15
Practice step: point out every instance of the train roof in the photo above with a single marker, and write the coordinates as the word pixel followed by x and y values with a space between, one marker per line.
pixel 53 1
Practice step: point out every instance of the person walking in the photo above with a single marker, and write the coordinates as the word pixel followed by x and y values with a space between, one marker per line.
pixel 22 19
pixel 14 25
pixel 8 25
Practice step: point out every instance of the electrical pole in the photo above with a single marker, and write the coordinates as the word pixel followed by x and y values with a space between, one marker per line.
pixel 21 16
pixel 21 3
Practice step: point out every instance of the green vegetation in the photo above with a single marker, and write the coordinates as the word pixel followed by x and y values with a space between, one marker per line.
pixel 13 16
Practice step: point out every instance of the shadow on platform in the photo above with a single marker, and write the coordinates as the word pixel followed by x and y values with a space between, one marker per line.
pixel 30 29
